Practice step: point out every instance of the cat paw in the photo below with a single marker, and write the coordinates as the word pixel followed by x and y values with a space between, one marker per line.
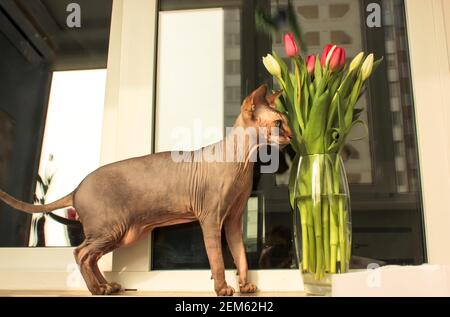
pixel 116 288
pixel 225 291
pixel 248 288
pixel 107 289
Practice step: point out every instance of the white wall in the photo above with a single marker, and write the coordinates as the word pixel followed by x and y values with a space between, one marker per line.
pixel 429 51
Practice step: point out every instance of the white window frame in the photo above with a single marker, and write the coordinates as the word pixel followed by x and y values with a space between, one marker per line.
pixel 128 132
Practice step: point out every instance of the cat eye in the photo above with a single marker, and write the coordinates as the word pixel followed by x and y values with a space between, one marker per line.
pixel 278 123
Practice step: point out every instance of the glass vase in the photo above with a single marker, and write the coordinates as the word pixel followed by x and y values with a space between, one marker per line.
pixel 321 220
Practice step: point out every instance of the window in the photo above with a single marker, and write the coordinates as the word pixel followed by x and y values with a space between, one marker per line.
pixel 71 148
pixel 232 67
pixel 309 11
pixel 387 211
pixel 53 83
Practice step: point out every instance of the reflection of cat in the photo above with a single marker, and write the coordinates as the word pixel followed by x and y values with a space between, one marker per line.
pixel 277 250
pixel 121 202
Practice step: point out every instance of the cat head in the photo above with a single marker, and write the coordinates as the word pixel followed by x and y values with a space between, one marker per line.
pixel 258 111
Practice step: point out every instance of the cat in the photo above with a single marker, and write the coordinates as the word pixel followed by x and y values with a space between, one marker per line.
pixel 122 202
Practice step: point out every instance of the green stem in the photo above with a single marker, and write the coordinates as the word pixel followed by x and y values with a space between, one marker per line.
pixel 342 236
pixel 342 223
pixel 318 236
pixel 326 233
pixel 303 219
pixel 311 238
pixel 334 221
pixel 334 240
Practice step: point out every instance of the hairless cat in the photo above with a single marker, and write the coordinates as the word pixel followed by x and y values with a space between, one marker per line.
pixel 122 202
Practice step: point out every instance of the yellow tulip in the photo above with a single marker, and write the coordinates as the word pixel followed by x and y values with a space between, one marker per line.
pixel 272 66
pixel 367 67
pixel 356 62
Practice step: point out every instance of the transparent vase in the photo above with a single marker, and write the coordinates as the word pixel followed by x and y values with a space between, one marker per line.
pixel 321 220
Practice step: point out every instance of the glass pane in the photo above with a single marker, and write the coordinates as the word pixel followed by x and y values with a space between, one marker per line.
pixel 387 212
pixel 211 109
pixel 53 70
pixel 70 149
pixel 324 22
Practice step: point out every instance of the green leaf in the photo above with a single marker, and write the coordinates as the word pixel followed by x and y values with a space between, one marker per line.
pixel 347 84
pixel 317 72
pixel 298 95
pixel 279 105
pixel 305 99
pixel 354 98
pixel 335 83
pixel 377 64
pixel 312 90
pixel 316 126
pixel 341 112
pixel 336 135
pixel 286 77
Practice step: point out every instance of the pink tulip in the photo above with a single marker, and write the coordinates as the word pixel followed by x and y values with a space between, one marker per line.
pixel 326 50
pixel 290 46
pixel 310 64
pixel 337 60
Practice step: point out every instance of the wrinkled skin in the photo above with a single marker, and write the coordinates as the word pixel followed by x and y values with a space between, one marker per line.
pixel 120 203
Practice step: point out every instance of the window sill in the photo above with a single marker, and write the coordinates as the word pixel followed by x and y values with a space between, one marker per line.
pixel 38 293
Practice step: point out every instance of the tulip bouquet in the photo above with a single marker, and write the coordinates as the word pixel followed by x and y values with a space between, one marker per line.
pixel 319 97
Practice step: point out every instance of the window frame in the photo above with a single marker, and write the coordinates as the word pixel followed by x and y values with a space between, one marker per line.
pixel 430 77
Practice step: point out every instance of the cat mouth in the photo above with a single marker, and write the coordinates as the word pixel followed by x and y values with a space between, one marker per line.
pixel 280 141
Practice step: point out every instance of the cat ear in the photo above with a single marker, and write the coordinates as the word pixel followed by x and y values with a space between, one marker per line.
pixel 257 98
pixel 271 99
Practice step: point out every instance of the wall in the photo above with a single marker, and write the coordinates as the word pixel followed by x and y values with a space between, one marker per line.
pixel 430 65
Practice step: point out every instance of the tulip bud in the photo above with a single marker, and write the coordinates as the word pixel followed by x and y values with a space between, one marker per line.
pixel 367 67
pixel 337 59
pixel 326 51
pixel 310 64
pixel 356 62
pixel 272 66
pixel 289 45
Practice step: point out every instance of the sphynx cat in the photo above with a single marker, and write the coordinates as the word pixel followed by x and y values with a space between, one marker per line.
pixel 120 203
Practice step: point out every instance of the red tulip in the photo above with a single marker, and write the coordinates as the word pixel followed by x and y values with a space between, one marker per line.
pixel 326 50
pixel 290 46
pixel 310 64
pixel 337 59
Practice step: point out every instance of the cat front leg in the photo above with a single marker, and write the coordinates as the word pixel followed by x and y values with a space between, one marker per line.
pixel 212 238
pixel 233 232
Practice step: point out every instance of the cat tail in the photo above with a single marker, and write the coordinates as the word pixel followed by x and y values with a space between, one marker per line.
pixel 66 201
